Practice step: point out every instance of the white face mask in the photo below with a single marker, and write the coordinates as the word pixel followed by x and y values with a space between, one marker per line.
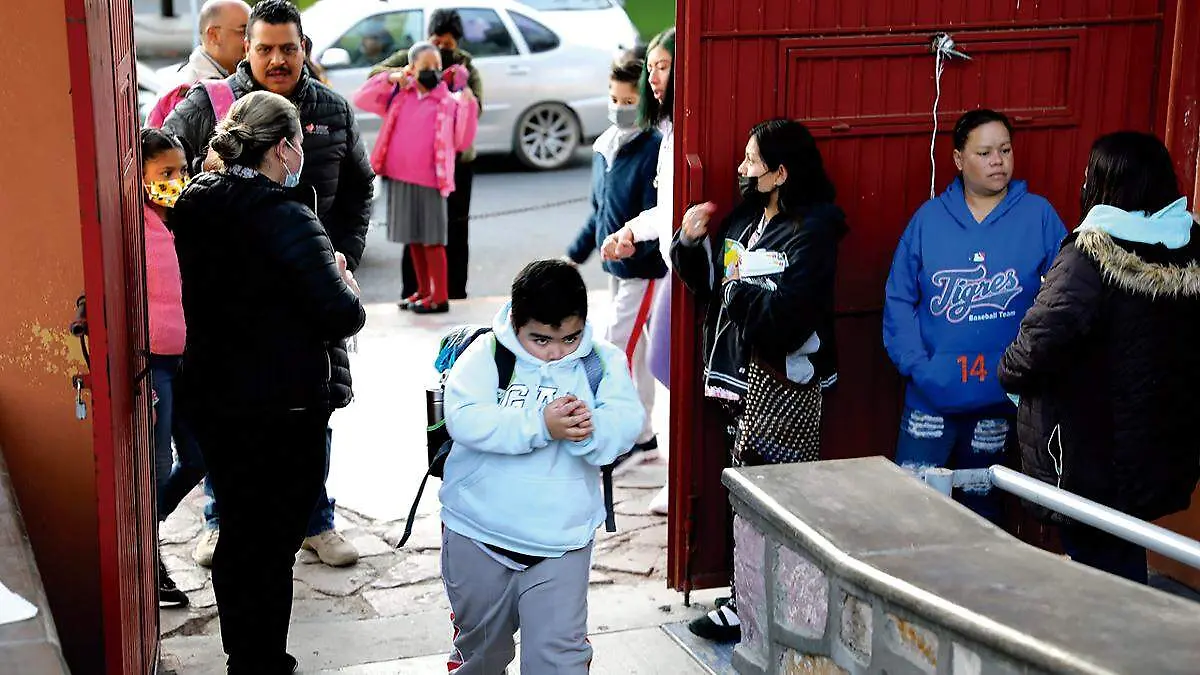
pixel 625 117
pixel 291 180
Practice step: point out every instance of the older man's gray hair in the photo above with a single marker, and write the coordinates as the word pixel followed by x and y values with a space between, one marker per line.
pixel 415 51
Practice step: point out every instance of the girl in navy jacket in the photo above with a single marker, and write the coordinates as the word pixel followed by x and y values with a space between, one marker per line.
pixel 966 270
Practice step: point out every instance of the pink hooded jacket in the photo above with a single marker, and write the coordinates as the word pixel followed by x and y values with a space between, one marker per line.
pixel 164 288
pixel 453 130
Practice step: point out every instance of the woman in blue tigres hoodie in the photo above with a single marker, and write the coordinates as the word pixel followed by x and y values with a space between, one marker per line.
pixel 521 496
pixel 966 270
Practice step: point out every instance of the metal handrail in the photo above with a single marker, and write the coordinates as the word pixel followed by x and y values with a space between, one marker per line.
pixel 1122 525
pixel 1147 535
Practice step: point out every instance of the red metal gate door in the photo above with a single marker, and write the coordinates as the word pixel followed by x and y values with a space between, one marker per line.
pixel 860 74
pixel 104 93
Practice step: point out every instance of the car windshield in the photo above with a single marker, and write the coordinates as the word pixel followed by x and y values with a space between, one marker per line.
pixel 559 5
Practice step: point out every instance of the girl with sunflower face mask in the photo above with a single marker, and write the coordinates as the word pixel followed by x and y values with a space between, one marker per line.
pixel 164 176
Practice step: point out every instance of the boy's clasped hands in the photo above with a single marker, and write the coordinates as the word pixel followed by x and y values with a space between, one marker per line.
pixel 568 419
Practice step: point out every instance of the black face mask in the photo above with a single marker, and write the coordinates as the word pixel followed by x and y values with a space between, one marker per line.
pixel 750 192
pixel 429 78
pixel 447 58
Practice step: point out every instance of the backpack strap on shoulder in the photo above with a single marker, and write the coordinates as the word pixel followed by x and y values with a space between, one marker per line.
pixel 506 363
pixel 593 365
pixel 220 94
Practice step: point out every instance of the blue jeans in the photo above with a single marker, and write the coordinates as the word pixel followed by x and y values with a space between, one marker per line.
pixel 321 519
pixel 173 478
pixel 959 442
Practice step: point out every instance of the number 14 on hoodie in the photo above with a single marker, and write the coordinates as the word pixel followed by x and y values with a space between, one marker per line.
pixel 977 369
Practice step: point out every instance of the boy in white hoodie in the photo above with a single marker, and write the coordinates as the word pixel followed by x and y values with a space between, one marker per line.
pixel 521 496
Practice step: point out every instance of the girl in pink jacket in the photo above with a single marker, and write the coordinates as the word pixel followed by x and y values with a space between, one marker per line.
pixel 164 175
pixel 425 124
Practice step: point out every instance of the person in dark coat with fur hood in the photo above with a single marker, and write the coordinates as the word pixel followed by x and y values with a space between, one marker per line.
pixel 1107 361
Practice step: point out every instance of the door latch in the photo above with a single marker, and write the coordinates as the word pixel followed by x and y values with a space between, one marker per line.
pixel 80 405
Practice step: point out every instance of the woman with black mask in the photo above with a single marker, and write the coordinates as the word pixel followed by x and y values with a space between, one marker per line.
pixel 768 279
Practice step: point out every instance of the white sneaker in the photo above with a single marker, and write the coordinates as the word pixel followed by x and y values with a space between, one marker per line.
pixel 661 502
pixel 332 548
pixel 206 547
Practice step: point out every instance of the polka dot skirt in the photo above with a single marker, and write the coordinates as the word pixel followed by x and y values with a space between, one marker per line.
pixel 781 422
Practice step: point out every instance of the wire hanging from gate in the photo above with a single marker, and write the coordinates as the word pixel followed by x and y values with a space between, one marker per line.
pixel 943 49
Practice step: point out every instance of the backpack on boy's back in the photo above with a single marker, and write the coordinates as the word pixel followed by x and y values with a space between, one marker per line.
pixel 438 441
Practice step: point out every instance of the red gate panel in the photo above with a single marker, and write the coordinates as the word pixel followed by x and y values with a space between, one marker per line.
pixel 104 94
pixel 860 73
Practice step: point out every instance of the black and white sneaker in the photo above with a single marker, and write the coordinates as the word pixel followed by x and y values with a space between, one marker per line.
pixel 169 595
pixel 640 453
pixel 719 625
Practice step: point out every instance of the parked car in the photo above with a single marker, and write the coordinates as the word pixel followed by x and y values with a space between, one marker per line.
pixel 148 90
pixel 545 90
pixel 602 21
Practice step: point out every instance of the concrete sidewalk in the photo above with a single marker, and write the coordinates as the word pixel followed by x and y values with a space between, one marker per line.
pixel 389 613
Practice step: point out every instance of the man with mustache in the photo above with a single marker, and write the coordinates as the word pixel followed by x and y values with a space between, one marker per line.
pixel 335 166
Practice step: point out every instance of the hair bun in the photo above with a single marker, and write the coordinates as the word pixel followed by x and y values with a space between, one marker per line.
pixel 230 140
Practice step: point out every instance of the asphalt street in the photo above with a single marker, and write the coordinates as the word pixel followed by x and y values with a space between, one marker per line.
pixel 516 216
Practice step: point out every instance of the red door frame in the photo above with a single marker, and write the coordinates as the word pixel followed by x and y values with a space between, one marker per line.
pixel 104 103
pixel 698 533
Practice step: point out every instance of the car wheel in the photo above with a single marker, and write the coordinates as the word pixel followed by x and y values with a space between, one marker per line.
pixel 546 136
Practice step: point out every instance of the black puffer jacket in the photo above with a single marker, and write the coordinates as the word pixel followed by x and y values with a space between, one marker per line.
pixel 774 315
pixel 266 308
pixel 1107 365
pixel 335 159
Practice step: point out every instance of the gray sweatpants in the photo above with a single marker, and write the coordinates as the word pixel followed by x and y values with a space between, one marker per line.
pixel 489 601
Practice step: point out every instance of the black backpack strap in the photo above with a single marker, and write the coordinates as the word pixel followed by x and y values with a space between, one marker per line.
pixel 593 365
pixel 412 512
pixel 506 364
pixel 610 509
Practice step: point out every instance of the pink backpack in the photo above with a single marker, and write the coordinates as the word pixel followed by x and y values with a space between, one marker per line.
pixel 220 94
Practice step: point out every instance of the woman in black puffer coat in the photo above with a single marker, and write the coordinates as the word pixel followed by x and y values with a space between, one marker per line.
pixel 1107 361
pixel 268 304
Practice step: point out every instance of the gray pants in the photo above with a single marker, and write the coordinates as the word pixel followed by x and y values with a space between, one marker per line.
pixel 547 602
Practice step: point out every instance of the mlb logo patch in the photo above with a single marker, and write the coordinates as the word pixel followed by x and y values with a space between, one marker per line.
pixel 979 257
pixel 316 130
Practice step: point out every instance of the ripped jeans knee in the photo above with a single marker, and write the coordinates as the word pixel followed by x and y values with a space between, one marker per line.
pixel 990 436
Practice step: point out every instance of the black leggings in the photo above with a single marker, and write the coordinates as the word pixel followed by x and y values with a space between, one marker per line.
pixel 267 471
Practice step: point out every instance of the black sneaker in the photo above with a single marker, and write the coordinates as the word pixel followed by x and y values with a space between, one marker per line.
pixel 169 595
pixel 423 307
pixel 638 454
pixel 718 629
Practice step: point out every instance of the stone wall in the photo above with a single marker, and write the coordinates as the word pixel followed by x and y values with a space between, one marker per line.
pixel 855 568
